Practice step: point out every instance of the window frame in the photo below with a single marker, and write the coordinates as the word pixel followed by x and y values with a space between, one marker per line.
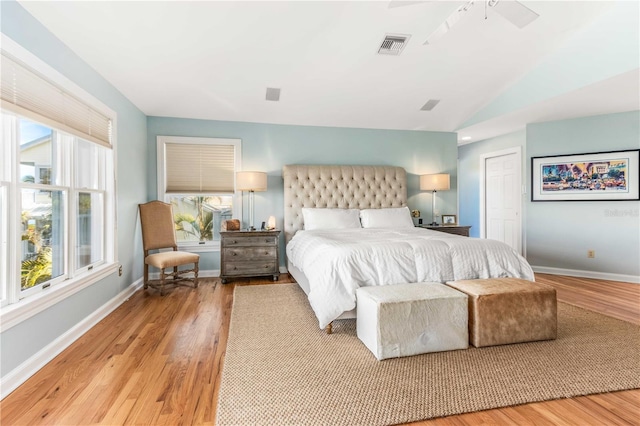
pixel 17 308
pixel 161 141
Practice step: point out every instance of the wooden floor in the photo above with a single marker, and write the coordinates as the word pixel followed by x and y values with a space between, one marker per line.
pixel 157 361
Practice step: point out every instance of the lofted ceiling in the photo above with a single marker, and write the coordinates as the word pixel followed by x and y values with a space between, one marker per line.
pixel 214 60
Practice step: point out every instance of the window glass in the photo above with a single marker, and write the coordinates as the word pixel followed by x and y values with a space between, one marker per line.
pixel 37 153
pixel 4 264
pixel 89 229
pixel 89 161
pixel 42 236
pixel 198 218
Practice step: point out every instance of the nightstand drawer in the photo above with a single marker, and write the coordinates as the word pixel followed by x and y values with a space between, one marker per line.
pixel 250 241
pixel 249 253
pixel 250 268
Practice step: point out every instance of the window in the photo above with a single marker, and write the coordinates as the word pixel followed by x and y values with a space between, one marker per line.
pixel 197 176
pixel 57 185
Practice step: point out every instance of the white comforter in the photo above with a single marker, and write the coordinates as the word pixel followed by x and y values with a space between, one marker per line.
pixel 337 262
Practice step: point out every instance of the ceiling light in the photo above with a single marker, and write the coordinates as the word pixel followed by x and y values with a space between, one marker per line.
pixel 466 138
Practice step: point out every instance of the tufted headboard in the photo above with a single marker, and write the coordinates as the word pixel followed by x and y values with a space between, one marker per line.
pixel 355 187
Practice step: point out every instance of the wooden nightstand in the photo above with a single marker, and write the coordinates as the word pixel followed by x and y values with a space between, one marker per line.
pixel 449 229
pixel 249 254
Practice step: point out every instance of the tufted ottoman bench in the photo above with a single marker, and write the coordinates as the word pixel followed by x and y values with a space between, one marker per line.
pixel 410 319
pixel 509 310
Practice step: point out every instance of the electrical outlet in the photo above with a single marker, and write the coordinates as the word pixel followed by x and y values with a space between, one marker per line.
pixel 120 271
pixel 591 254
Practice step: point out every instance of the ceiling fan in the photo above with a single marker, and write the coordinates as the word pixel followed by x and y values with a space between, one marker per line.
pixel 513 11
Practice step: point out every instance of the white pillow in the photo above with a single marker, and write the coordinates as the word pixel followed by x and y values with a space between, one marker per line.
pixel 399 217
pixel 330 218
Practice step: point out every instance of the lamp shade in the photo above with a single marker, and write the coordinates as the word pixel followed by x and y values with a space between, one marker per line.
pixel 251 181
pixel 437 182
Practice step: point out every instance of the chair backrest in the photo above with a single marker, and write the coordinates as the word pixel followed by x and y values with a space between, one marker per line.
pixel 158 229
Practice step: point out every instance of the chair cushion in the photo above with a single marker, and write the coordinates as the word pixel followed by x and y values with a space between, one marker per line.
pixel 168 259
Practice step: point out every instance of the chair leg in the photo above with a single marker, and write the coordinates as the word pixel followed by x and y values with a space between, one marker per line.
pixel 195 281
pixel 146 276
pixel 162 282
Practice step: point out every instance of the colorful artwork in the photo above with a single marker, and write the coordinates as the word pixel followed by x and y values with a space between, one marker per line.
pixel 608 175
pixel 597 176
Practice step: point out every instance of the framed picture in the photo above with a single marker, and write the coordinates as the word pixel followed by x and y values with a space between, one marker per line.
pixel 449 219
pixel 596 176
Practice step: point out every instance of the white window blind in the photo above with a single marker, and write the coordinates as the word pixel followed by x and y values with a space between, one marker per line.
pixel 199 168
pixel 27 93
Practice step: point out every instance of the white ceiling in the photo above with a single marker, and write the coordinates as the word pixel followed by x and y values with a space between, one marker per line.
pixel 214 60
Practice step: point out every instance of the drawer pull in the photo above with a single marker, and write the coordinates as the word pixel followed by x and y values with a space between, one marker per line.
pixel 233 242
pixel 233 253
pixel 266 266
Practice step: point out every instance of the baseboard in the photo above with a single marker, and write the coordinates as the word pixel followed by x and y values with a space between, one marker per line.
pixel 587 274
pixel 29 367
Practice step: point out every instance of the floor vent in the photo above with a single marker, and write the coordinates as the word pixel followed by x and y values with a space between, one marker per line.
pixel 393 44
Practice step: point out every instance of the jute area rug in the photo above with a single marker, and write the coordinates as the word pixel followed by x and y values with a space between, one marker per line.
pixel 281 369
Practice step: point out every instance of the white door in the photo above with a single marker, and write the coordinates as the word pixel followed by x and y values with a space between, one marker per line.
pixel 502 199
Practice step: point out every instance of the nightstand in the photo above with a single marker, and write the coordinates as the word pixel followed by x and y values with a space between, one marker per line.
pixel 249 254
pixel 449 229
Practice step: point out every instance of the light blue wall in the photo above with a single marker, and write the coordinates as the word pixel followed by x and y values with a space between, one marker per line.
pixel 469 174
pixel 560 233
pixel 26 339
pixel 268 147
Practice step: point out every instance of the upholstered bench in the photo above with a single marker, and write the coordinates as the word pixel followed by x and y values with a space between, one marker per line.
pixel 509 310
pixel 410 319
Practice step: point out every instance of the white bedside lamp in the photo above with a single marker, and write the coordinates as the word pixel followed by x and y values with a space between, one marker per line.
pixel 252 182
pixel 434 183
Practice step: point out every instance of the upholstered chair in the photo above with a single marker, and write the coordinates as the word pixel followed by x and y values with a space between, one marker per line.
pixel 158 232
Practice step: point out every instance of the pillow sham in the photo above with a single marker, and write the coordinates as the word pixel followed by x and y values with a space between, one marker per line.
pixel 330 218
pixel 394 217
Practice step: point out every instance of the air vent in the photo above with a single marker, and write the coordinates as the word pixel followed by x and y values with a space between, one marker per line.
pixel 431 103
pixel 393 44
pixel 273 94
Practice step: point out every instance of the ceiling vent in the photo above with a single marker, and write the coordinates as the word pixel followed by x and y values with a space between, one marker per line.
pixel 431 104
pixel 273 94
pixel 393 44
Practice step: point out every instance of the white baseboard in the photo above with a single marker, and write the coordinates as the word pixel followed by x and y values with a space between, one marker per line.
pixel 29 367
pixel 587 274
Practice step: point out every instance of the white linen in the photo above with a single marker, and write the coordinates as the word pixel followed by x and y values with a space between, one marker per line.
pixel 337 263
pixel 394 217
pixel 330 218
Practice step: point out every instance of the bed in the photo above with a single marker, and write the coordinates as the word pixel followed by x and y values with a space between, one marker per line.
pixel 329 265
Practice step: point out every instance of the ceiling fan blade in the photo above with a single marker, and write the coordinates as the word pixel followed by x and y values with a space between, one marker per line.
pixel 402 3
pixel 514 12
pixel 453 19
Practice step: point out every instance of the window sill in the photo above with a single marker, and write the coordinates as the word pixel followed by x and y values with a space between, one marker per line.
pixel 15 313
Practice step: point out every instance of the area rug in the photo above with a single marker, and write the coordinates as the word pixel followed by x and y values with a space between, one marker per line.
pixel 281 369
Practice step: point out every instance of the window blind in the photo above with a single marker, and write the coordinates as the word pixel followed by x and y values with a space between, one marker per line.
pixel 199 168
pixel 25 92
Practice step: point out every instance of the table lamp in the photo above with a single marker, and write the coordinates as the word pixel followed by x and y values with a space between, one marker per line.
pixel 252 182
pixel 434 183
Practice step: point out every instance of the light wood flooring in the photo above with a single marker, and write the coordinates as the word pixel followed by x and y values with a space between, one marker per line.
pixel 157 361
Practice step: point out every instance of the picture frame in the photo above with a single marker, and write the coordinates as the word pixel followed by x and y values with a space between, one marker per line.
pixel 449 219
pixel 595 176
